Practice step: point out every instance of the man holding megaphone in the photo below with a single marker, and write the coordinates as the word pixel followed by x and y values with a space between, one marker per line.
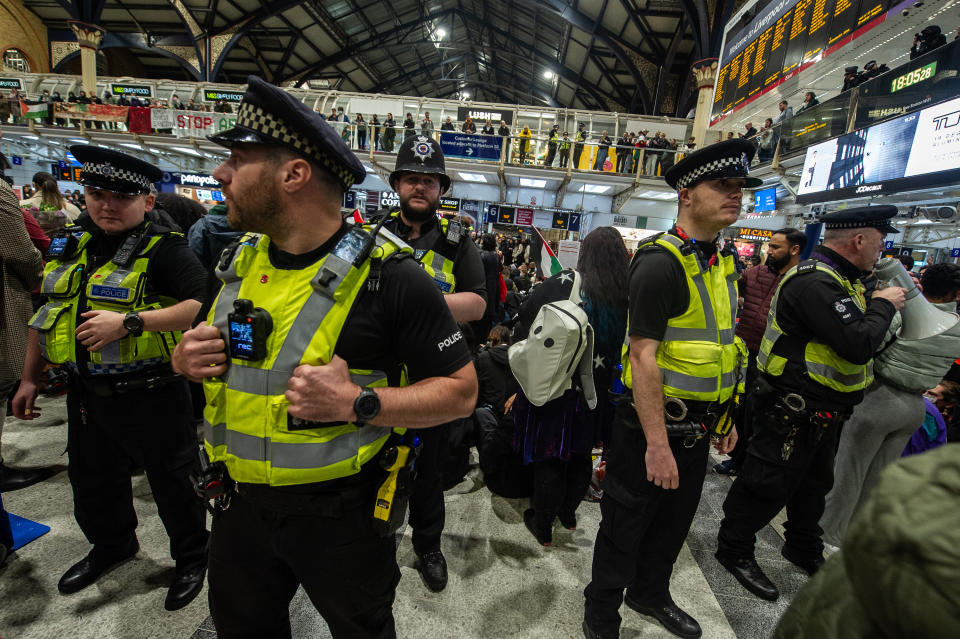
pixel 815 361
pixel 921 345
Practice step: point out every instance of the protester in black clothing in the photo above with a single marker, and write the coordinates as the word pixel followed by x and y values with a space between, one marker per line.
pixel 491 270
pixel 578 139
pixel 850 77
pixel 927 40
pixel 389 133
pixel 487 128
pixel 447 125
pixel 409 125
pixel 375 123
pixel 504 132
pixel 469 126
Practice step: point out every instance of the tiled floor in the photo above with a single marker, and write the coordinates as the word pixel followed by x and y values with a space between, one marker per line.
pixel 502 584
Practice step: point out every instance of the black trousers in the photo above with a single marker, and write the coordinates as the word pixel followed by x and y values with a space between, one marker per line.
pixel 106 437
pixel 259 554
pixel 551 153
pixel 745 411
pixel 766 483
pixel 558 488
pixel 577 150
pixel 564 157
pixel 640 538
pixel 427 511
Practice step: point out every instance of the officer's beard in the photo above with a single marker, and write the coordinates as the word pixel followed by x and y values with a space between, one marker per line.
pixel 419 213
pixel 257 207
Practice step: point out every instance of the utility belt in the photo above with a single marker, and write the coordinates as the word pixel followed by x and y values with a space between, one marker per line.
pixel 108 387
pixel 799 418
pixel 215 486
pixel 689 420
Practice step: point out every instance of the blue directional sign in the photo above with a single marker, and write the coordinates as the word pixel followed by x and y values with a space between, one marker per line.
pixel 955 252
pixel 888 244
pixel 17 160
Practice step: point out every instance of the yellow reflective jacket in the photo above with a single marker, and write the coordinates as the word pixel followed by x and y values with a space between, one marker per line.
pixel 822 364
pixel 245 420
pixel 71 290
pixel 699 356
pixel 439 267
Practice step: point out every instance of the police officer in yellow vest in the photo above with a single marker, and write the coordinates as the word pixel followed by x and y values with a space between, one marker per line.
pixel 445 252
pixel 815 361
pixel 118 291
pixel 308 344
pixel 684 367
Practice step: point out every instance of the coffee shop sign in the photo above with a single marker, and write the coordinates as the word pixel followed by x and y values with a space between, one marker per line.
pixel 757 235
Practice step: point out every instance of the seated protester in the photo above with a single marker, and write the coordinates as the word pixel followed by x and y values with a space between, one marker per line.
pixel 503 469
pixel 946 397
pixel 557 439
pixel 511 302
pixel 931 434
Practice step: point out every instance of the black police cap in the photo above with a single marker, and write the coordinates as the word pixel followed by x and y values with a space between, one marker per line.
pixel 270 115
pixel 114 171
pixel 850 70
pixel 877 217
pixel 727 159
pixel 421 154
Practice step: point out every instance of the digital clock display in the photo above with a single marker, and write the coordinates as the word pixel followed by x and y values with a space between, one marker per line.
pixel 915 76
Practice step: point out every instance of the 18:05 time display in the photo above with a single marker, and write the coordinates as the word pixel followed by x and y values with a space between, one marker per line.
pixel 917 75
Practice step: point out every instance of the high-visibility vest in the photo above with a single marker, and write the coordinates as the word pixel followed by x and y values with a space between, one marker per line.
pixel 71 290
pixel 246 425
pixel 822 364
pixel 700 357
pixel 437 266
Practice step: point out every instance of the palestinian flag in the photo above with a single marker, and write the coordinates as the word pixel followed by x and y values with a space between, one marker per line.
pixel 34 110
pixel 357 218
pixel 547 262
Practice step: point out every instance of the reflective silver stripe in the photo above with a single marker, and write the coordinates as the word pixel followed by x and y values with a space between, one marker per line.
pixel 299 456
pixel 851 379
pixel 728 379
pixel 388 235
pixel 42 315
pixel 110 354
pixel 261 381
pixel 224 305
pixel 50 281
pixel 727 335
pixel 680 334
pixel 688 383
pixel 116 278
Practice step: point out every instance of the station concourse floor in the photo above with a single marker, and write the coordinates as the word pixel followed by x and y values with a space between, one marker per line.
pixel 502 584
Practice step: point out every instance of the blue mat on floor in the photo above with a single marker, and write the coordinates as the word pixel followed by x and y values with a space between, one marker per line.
pixel 25 531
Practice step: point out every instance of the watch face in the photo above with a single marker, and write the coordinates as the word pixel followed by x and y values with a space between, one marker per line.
pixel 133 323
pixel 368 405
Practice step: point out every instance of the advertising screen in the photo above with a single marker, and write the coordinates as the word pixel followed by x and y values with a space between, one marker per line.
pixel 912 151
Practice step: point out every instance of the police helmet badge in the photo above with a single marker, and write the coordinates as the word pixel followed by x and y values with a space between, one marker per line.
pixel 107 170
pixel 422 148
pixel 839 307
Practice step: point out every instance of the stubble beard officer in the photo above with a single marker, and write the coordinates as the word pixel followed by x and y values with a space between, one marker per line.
pixel 681 346
pixel 446 253
pixel 129 287
pixel 303 509
pixel 815 361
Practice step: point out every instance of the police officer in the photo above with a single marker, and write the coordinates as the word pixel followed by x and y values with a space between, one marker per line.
pixel 684 366
pixel 815 361
pixel 304 355
pixel 578 139
pixel 445 252
pixel 118 290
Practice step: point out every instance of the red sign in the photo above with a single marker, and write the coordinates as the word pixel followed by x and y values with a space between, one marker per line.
pixel 524 217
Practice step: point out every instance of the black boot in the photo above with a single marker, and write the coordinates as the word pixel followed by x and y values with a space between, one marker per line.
pixel 93 566
pixel 16 478
pixel 433 570
pixel 749 574
pixel 671 616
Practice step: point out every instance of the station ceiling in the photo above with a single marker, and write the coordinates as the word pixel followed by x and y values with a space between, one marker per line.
pixel 610 55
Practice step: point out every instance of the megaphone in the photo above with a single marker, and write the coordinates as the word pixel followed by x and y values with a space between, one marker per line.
pixel 921 319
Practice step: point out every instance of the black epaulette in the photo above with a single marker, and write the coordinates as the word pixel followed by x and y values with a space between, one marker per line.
pixel 806 266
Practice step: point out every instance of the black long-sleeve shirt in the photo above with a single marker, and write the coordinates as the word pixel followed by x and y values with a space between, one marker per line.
pixel 815 306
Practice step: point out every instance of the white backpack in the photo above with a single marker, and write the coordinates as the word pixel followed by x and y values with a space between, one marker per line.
pixel 558 347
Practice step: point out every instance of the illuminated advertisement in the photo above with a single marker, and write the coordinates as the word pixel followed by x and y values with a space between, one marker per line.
pixel 912 151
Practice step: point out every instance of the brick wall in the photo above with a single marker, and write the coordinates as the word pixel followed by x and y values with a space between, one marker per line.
pixel 22 29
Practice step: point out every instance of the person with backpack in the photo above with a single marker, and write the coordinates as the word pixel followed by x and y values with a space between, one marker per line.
pixel 682 360
pixel 556 437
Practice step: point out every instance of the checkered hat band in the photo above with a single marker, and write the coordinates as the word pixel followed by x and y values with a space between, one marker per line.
pixel 267 124
pixel 110 172
pixel 720 166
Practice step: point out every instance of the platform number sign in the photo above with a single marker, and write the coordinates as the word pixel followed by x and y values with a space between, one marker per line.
pixel 955 252
pixel 888 244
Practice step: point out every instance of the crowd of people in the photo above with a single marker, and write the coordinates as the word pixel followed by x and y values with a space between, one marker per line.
pixel 341 372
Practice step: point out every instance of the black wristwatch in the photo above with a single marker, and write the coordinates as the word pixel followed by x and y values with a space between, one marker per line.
pixel 133 323
pixel 366 405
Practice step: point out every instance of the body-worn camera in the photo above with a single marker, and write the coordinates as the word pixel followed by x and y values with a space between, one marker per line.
pixel 249 329
pixel 62 246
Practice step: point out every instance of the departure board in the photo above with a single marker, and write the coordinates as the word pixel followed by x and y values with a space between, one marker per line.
pixel 782 37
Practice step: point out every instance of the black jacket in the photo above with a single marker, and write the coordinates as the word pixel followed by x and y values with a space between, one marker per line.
pixel 495 379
